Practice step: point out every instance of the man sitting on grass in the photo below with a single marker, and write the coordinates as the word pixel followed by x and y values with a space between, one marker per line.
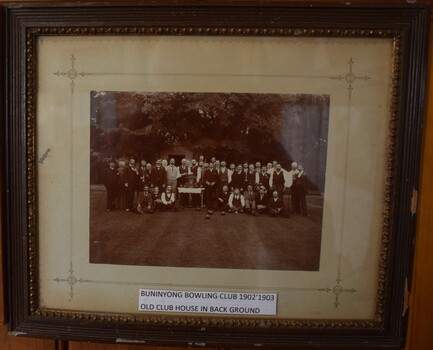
pixel 223 199
pixel 250 200
pixel 262 200
pixel 145 202
pixel 156 199
pixel 168 199
pixel 276 206
pixel 236 202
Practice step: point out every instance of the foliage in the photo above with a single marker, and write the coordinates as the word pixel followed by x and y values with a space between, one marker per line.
pixel 234 127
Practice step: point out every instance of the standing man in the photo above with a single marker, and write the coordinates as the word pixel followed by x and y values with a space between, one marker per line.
pixel 159 176
pixel 245 174
pixel 231 171
pixel 164 163
pixel 148 175
pixel 264 177
pixel 217 166
pixel 292 175
pixel 111 179
pixel 269 169
pixel 182 181
pixel 131 182
pixel 278 180
pixel 172 175
pixel 300 191
pixel 223 176
pixel 238 179
pixel 142 174
pixel 210 185
pixel 196 171
pixel 121 195
pixel 252 176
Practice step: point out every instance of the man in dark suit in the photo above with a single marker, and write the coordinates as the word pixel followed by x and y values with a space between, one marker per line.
pixel 252 176
pixel 142 175
pixel 145 201
pixel 195 170
pixel 156 200
pixel 264 177
pixel 148 176
pixel 262 200
pixel 238 179
pixel 210 185
pixel 277 180
pixel 159 176
pixel 300 191
pixel 245 173
pixel 223 199
pixel 131 182
pixel 111 179
pixel 183 172
pixel 223 176
pixel 275 205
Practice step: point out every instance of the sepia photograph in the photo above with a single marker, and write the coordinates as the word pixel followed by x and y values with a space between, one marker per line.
pixel 207 180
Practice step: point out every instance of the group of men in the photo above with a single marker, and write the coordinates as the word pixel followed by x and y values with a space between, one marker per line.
pixel 253 188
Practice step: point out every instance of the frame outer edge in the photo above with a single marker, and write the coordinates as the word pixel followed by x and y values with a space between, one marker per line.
pixel 410 132
pixel 3 238
pixel 415 113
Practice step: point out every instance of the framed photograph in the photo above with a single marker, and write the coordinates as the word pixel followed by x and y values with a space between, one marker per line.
pixel 236 175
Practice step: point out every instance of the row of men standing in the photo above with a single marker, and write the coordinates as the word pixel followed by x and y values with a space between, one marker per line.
pixel 130 180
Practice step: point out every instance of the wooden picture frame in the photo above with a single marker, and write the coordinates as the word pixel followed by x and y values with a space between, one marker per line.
pixel 53 289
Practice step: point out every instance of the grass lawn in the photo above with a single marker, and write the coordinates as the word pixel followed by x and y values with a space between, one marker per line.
pixel 187 239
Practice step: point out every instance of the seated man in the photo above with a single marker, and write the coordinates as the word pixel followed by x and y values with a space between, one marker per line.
pixel 250 200
pixel 262 200
pixel 236 202
pixel 223 199
pixel 168 199
pixel 276 206
pixel 145 201
pixel 156 200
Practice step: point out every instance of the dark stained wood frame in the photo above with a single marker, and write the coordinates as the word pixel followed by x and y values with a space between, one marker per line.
pixel 23 23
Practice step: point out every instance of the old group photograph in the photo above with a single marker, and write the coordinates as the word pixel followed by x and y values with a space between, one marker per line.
pixel 207 180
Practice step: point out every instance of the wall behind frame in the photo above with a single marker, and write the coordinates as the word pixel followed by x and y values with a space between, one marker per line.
pixel 420 336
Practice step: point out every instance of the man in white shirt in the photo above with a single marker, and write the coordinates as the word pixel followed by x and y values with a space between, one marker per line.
pixel 236 202
pixel 172 175
pixel 168 199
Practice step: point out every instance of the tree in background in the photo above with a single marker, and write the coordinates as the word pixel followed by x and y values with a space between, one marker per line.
pixel 234 127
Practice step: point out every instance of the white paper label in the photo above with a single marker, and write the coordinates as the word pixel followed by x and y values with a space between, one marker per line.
pixel 231 303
